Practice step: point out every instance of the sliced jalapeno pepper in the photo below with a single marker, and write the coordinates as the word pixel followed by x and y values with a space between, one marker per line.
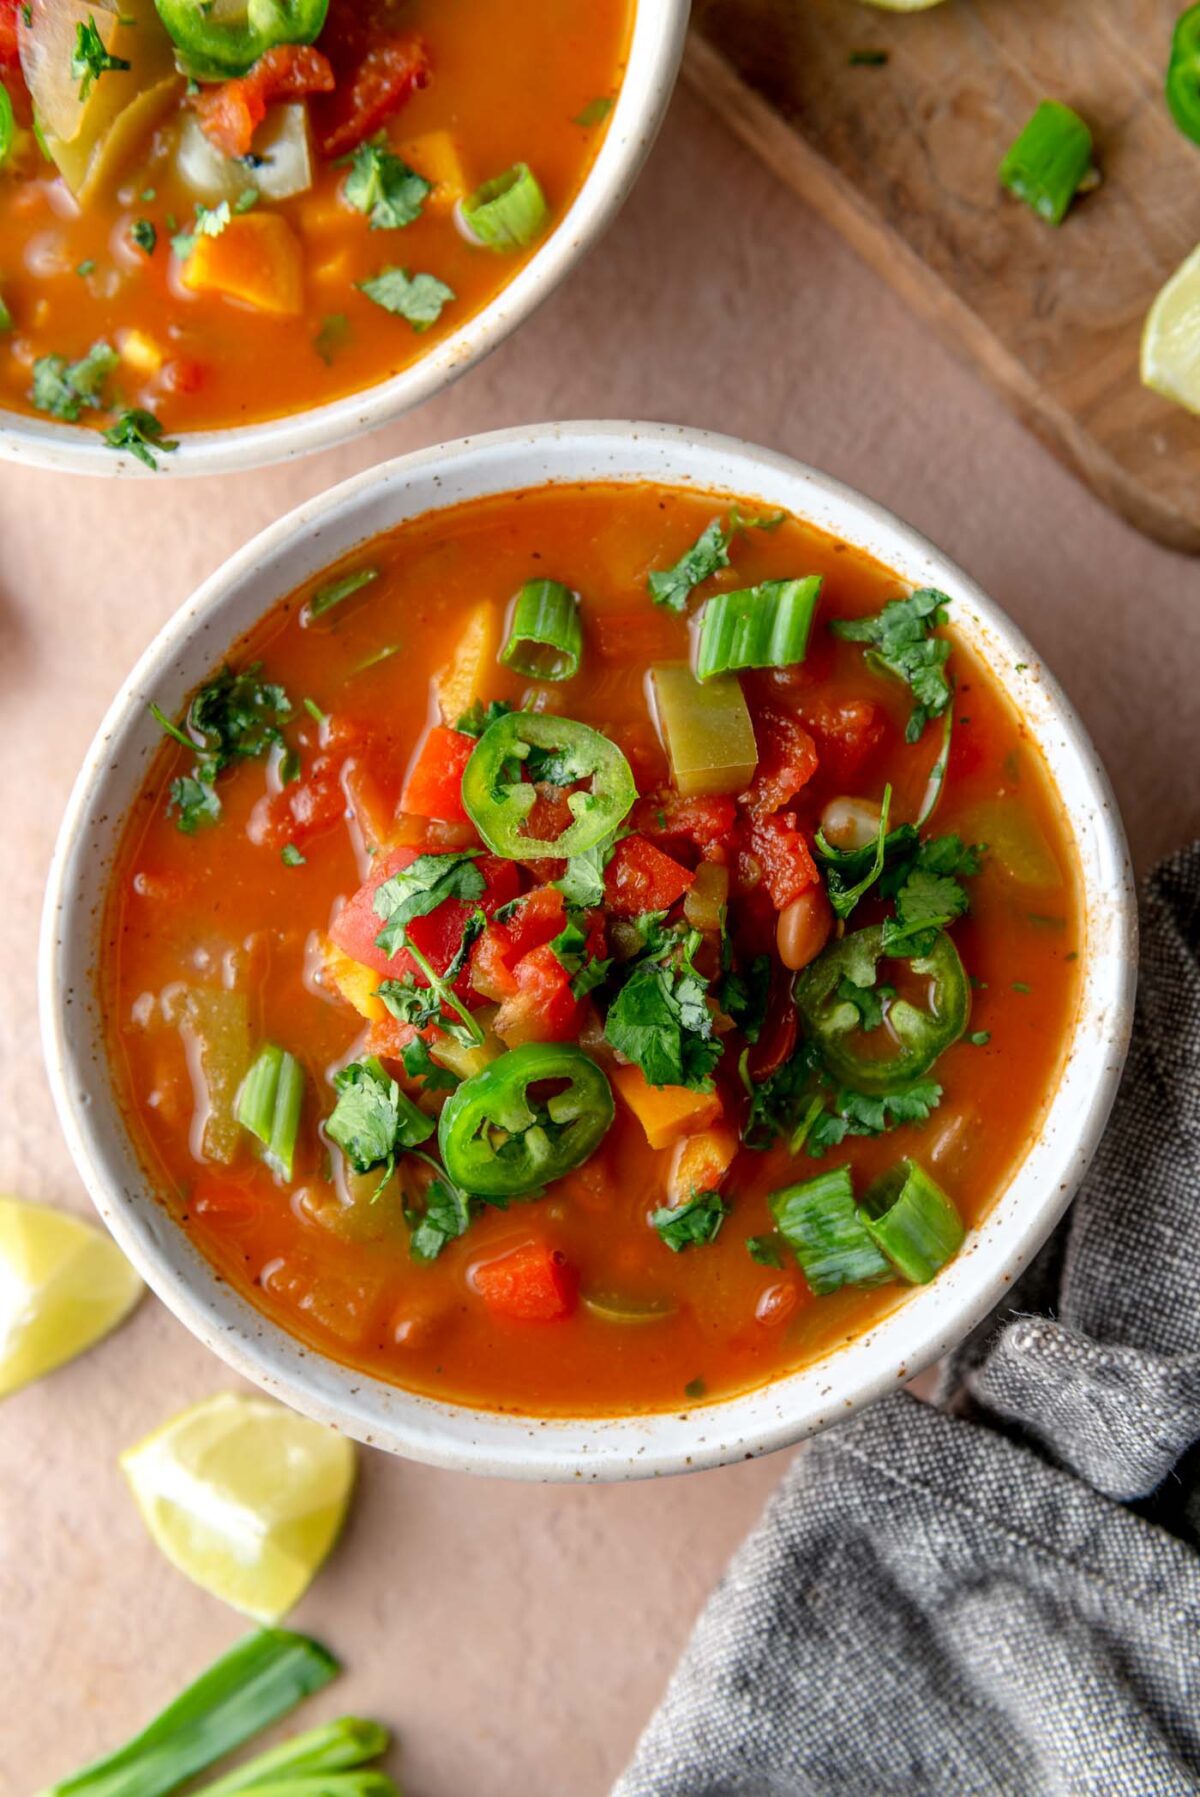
pixel 556 750
pixel 916 1035
pixel 216 43
pixel 498 1140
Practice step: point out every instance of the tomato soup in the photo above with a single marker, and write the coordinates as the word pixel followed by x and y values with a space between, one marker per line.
pixel 218 222
pixel 593 950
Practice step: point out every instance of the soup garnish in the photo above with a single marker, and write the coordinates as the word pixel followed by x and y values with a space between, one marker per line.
pixel 530 1005
pixel 214 215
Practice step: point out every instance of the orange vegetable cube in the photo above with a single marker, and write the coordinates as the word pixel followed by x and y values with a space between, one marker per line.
pixel 665 1112
pixel 257 259
pixel 700 1163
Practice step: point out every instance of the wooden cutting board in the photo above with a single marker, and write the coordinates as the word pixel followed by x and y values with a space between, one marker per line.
pixel 901 157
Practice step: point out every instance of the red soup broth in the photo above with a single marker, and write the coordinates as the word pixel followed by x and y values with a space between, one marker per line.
pixel 261 313
pixel 590 1311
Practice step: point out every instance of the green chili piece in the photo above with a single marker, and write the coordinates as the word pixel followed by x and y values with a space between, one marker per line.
pixel 501 1138
pixel 215 43
pixel 915 1035
pixel 564 754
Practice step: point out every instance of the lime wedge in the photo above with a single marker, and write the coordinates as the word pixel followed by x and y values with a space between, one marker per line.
pixel 1171 338
pixel 63 1285
pixel 244 1497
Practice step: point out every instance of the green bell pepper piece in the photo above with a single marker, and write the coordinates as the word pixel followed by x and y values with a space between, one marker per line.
pixel 219 43
pixel 497 1141
pixel 552 749
pixel 916 1035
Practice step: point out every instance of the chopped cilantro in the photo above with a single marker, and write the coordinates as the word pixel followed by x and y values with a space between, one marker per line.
pixel 6 317
pixel 334 591
pixel 333 335
pixel 695 1388
pixel 900 642
pixel 90 58
pixel 850 873
pixel 569 949
pixel 672 587
pixel 420 888
pixel 475 721
pixel 660 1019
pixel 142 435
pixel 236 717
pixel 144 234
pixel 594 113
pixel 1020 986
pixel 979 1038
pixel 86 267
pixel 373 1120
pixel 928 895
pixel 209 221
pixel 64 388
pixel 420 1064
pixel 693 1224
pixel 445 1216
pixel 246 201
pixel 290 855
pixel 418 298
pixel 383 187
pixel 766 1250
pixel 582 881
pixel 743 996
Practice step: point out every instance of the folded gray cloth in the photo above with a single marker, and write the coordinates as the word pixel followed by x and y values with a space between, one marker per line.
pixel 949 1600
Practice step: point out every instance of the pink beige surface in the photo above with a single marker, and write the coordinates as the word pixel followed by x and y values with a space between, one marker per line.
pixel 515 1638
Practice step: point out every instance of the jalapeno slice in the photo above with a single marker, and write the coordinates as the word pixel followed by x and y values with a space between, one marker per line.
pixel 215 43
pixel 560 752
pixel 917 1034
pixel 500 1139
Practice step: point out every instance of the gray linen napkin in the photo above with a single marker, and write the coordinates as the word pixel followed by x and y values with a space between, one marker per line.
pixel 950 1600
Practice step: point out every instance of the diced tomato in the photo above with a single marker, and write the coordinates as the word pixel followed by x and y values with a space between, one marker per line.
pixel 543 1008
pixel 537 920
pixel 369 92
pixel 641 878
pixel 387 1037
pixel 11 76
pixel 303 808
pixel 668 816
pixel 434 784
pixel 774 849
pixel 549 815
pixel 231 113
pixel 846 732
pixel 532 1283
pixel 787 761
pixel 437 935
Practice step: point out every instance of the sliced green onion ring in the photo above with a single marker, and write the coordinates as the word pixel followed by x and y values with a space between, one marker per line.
pixel 913 1222
pixel 334 591
pixel 508 212
pixel 766 626
pixel 269 1105
pixel 8 124
pixel 1050 161
pixel 545 638
pixel 827 1233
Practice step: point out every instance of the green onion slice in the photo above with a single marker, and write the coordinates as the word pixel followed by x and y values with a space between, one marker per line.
pixel 334 591
pixel 827 1233
pixel 251 1686
pixel 508 212
pixel 545 637
pixel 269 1105
pixel 334 1747
pixel 1050 161
pixel 909 1217
pixel 8 123
pixel 766 626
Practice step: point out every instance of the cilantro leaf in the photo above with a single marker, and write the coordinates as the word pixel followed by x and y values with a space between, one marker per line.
pixel 195 801
pixel 383 186
pixel 420 1064
pixel 569 948
pixel 858 1114
pixel 209 221
pixel 693 1224
pixel 418 298
pixel 475 721
pixel 707 556
pixel 765 1250
pixel 582 881
pixel 373 1120
pixel 420 888
pixel 90 58
pixel 235 717
pixel 661 1021
pixel 900 643
pixel 64 388
pixel 850 873
pixel 144 234
pixel 925 904
pixel 142 435
pixel 333 335
pixel 445 1216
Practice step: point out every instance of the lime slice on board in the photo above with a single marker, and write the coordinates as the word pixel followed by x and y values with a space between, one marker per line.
pixel 63 1285
pixel 1171 337
pixel 243 1496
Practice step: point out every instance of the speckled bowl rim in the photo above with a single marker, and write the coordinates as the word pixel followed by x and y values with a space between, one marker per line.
pixel 930 1322
pixel 655 49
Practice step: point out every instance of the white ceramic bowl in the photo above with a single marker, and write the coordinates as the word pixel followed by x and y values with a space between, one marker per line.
pixel 184 653
pixel 655 48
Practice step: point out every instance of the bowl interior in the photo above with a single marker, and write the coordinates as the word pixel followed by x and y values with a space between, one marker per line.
pixel 655 48
pixel 912 1336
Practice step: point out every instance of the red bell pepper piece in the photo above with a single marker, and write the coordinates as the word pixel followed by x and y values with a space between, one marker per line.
pixel 774 849
pixel 11 75
pixel 437 935
pixel 787 761
pixel 434 784
pixel 231 113
pixel 532 1283
pixel 641 878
